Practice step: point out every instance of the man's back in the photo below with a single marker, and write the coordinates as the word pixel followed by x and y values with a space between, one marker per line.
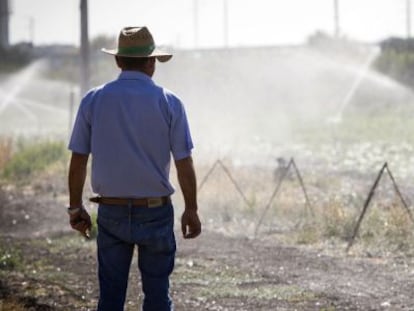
pixel 134 125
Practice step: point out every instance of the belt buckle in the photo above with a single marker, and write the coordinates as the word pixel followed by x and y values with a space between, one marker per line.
pixel 154 202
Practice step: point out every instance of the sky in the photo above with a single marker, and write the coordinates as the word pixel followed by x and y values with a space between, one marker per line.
pixel 202 23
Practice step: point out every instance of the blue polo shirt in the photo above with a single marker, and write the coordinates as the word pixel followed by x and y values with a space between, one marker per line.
pixel 131 126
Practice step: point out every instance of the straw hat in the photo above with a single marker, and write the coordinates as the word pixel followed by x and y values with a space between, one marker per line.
pixel 137 42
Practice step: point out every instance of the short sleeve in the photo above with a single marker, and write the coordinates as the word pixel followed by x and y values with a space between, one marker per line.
pixel 80 141
pixel 180 136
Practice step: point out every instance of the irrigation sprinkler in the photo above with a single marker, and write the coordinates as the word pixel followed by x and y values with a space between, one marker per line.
pixel 364 209
pixel 397 190
pixel 281 179
pixel 203 181
pixel 236 185
pixel 229 175
pixel 277 188
pixel 369 198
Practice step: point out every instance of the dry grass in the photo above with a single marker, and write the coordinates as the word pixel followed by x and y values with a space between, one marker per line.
pixel 11 306
pixel 385 229
pixel 5 151
pixel 5 156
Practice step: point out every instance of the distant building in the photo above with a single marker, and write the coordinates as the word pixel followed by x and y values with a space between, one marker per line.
pixel 4 23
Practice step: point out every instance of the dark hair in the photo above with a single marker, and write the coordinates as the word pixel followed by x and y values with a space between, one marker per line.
pixel 132 62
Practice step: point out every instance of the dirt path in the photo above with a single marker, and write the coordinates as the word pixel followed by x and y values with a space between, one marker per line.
pixel 323 281
pixel 219 273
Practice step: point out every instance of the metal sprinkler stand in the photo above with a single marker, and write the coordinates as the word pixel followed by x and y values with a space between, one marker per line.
pixel 275 192
pixel 227 171
pixel 369 198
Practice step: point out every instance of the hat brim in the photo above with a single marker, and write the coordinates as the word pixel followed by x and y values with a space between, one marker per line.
pixel 158 54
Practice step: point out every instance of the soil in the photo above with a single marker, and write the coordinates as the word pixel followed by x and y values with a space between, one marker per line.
pixel 56 268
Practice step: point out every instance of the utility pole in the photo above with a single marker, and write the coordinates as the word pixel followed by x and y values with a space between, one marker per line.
pixel 195 22
pixel 226 23
pixel 4 23
pixel 408 18
pixel 337 30
pixel 84 48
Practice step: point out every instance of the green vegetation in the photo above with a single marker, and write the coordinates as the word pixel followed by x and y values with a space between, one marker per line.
pixel 372 124
pixel 385 229
pixel 10 258
pixel 397 64
pixel 5 151
pixel 14 58
pixel 33 158
pixel 397 60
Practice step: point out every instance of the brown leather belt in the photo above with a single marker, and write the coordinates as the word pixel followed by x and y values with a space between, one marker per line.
pixel 141 202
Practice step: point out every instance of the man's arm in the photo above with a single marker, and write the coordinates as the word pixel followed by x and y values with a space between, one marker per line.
pixel 190 222
pixel 80 219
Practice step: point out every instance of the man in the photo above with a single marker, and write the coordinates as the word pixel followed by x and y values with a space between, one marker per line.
pixel 131 127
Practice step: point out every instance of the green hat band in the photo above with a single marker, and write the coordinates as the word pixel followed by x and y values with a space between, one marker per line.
pixel 133 50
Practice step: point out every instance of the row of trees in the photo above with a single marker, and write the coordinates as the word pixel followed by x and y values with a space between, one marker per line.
pixel 397 60
pixel 15 57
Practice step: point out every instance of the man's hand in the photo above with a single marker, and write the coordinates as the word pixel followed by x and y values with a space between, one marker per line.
pixel 81 222
pixel 190 224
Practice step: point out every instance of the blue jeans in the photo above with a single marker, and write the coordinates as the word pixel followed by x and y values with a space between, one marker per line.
pixel 120 228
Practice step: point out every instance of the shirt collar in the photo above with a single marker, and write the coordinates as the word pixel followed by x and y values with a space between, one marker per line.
pixel 134 75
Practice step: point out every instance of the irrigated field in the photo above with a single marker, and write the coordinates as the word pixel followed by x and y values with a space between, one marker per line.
pixel 271 241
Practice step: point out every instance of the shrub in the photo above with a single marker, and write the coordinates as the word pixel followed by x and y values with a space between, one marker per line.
pixel 32 159
pixel 5 151
pixel 15 57
pixel 397 60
